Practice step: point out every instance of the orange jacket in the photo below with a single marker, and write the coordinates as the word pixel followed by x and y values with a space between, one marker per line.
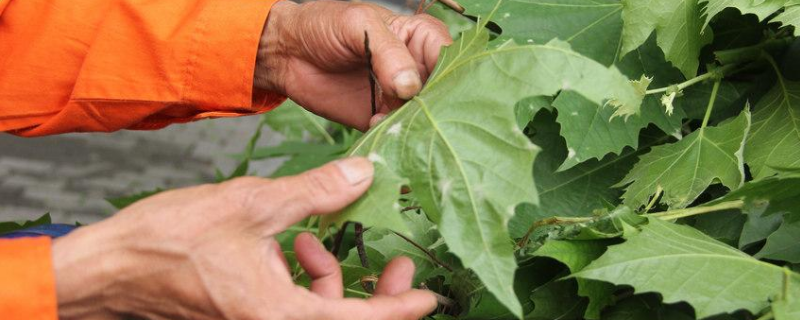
pixel 106 65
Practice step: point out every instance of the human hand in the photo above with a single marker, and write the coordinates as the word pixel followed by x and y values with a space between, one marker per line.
pixel 209 252
pixel 314 53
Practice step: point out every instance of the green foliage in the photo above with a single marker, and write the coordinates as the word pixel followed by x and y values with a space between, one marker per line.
pixel 11 226
pixel 583 159
pixel 683 264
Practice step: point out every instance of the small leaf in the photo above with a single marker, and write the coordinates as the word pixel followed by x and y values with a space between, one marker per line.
pixel 125 201
pixel 686 168
pixel 295 123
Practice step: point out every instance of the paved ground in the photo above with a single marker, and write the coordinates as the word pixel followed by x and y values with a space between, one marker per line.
pixel 71 175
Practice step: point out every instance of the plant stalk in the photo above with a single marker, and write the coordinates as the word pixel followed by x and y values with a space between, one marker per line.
pixel 426 251
pixel 711 102
pixel 688 212
pixel 723 70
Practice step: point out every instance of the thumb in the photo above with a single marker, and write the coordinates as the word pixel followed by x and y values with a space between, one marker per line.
pixel 326 189
pixel 394 66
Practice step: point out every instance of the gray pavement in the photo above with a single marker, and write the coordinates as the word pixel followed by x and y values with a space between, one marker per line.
pixel 71 175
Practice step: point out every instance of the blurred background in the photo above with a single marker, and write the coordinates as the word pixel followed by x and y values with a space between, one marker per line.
pixel 71 175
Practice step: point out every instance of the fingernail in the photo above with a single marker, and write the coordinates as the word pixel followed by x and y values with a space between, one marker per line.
pixel 407 84
pixel 356 170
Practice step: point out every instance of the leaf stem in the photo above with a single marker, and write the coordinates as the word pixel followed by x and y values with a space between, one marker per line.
pixel 551 221
pixel 711 104
pixel 720 72
pixel 652 203
pixel 688 212
pixel 426 251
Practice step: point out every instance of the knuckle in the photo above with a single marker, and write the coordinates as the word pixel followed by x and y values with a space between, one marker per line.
pixel 321 183
pixel 242 192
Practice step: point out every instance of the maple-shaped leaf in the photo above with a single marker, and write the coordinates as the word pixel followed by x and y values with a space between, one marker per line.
pixel 684 169
pixel 592 27
pixel 592 131
pixel 761 8
pixel 678 26
pixel 774 140
pixel 683 264
pixel 462 152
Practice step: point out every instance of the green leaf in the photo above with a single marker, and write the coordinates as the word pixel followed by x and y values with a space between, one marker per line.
pixel 789 17
pixel 592 27
pixel 125 201
pixel 423 233
pixel 557 300
pixel 644 307
pixel 678 26
pixel 686 168
pixel 774 140
pixel 462 152
pixel 592 131
pixel 295 123
pixel 10 226
pixel 571 193
pixel 784 243
pixel 788 307
pixel 576 255
pixel 683 264
pixel 761 8
pixel 725 226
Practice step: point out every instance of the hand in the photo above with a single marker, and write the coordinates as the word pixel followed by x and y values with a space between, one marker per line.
pixel 314 53
pixel 209 252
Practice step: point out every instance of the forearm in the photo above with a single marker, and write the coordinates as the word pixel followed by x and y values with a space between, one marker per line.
pixel 97 65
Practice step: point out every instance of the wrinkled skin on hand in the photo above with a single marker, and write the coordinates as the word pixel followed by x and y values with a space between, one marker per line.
pixel 314 53
pixel 209 252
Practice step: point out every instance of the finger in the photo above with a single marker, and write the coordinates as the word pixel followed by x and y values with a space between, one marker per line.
pixel 427 39
pixel 392 62
pixel 376 119
pixel 396 277
pixel 410 305
pixel 320 265
pixel 323 190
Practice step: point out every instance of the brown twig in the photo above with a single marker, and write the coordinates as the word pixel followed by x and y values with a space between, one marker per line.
pixel 426 251
pixel 362 254
pixel 371 76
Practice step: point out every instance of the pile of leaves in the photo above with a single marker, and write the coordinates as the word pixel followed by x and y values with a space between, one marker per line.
pixel 584 159
pixel 581 159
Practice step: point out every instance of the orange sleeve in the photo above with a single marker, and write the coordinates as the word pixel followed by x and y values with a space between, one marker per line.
pixel 106 65
pixel 27 282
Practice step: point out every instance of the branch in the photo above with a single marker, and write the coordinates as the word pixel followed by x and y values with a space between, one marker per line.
pixel 718 73
pixel 688 212
pixel 428 253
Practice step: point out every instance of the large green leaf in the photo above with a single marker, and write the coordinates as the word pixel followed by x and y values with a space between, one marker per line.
pixel 462 152
pixel 686 168
pixel 774 140
pixel 784 243
pixel 677 24
pixel 592 27
pixel 683 264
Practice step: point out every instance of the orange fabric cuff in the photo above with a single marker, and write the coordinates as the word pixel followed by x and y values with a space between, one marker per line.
pixel 27 281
